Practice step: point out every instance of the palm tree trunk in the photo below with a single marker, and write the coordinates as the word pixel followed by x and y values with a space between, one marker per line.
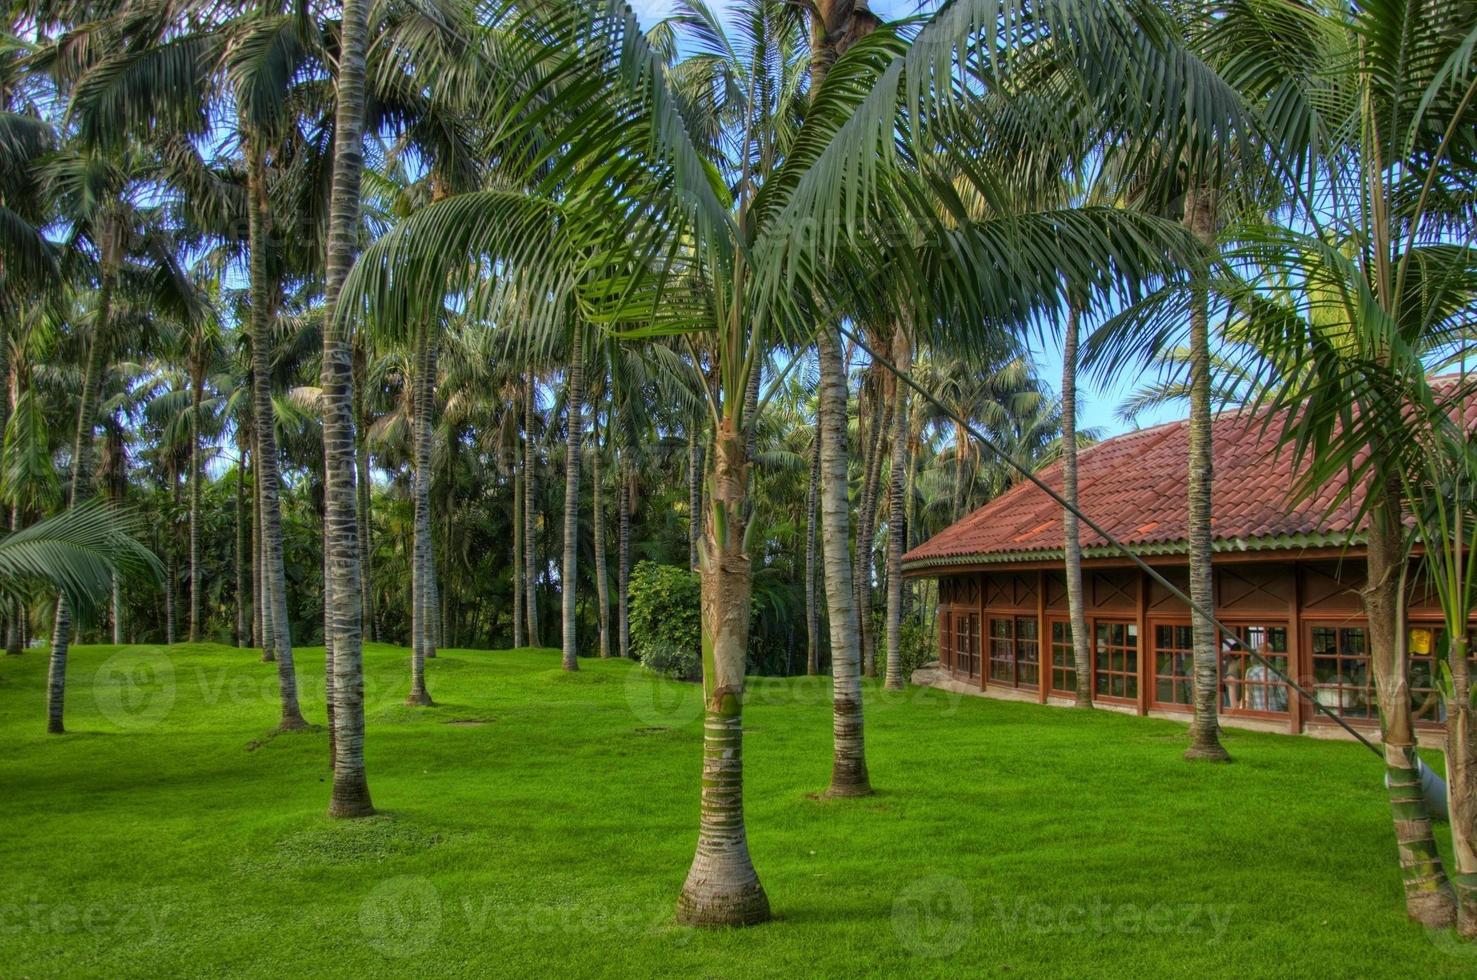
pixel 812 610
pixel 1461 774
pixel 422 605
pixel 350 796
pixel 1428 894
pixel 242 551
pixel 15 622
pixel 959 460
pixel 530 513
pixel 694 490
pixel 362 487
pixel 196 393
pixel 328 686
pixel 117 616
pixel 263 602
pixel 849 764
pixel 574 441
pixel 722 888
pixel 866 527
pixel 273 571
pixel 436 603
pixel 623 556
pixel 517 556
pixel 1204 727
pixel 171 561
pixel 902 355
pixel 597 521
pixel 1076 612
pixel 81 482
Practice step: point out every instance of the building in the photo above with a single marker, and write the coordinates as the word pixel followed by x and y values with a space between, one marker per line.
pixel 1287 581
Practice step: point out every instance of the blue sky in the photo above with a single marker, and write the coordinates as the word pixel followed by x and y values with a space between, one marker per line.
pixel 1097 403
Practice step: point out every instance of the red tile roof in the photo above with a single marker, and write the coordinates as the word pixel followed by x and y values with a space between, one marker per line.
pixel 1134 487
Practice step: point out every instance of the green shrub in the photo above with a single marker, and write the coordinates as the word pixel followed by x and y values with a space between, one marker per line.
pixel 918 646
pixel 666 619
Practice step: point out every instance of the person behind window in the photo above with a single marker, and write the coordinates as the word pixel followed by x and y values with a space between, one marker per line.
pixel 1231 681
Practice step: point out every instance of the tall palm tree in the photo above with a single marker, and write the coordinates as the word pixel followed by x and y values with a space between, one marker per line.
pixel 902 355
pixel 574 396
pixel 1072 537
pixel 849 760
pixel 751 268
pixel 350 795
pixel 1367 112
pixel 1205 742
pixel 530 514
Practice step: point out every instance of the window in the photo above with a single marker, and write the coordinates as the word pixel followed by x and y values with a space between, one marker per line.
pixel 1063 658
pixel 1015 651
pixel 1174 664
pixel 1247 684
pixel 1027 651
pixel 967 643
pixel 1428 649
pixel 1342 682
pixel 1002 651
pixel 946 640
pixel 1116 660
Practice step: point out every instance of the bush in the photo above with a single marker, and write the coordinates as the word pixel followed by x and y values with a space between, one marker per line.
pixel 666 619
pixel 918 644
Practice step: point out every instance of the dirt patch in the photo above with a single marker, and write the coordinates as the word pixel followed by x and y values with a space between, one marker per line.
pixel 468 722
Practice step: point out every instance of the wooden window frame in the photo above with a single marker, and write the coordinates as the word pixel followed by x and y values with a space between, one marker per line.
pixel 1050 667
pixel 1288 667
pixel 1310 625
pixel 1129 674
pixel 1171 622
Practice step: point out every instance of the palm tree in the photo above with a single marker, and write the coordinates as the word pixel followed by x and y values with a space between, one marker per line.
pixel 1076 610
pixel 751 271
pixel 1344 299
pixel 849 760
pixel 574 396
pixel 530 515
pixel 343 617
pixel 1205 743
pixel 104 195
pixel 423 565
pixel 902 355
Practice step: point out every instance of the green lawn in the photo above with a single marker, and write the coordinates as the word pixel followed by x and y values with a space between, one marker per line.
pixel 537 822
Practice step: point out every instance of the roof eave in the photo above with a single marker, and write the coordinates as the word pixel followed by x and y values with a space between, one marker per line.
pixel 1222 546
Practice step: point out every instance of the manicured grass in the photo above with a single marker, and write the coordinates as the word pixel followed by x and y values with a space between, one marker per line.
pixel 539 823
